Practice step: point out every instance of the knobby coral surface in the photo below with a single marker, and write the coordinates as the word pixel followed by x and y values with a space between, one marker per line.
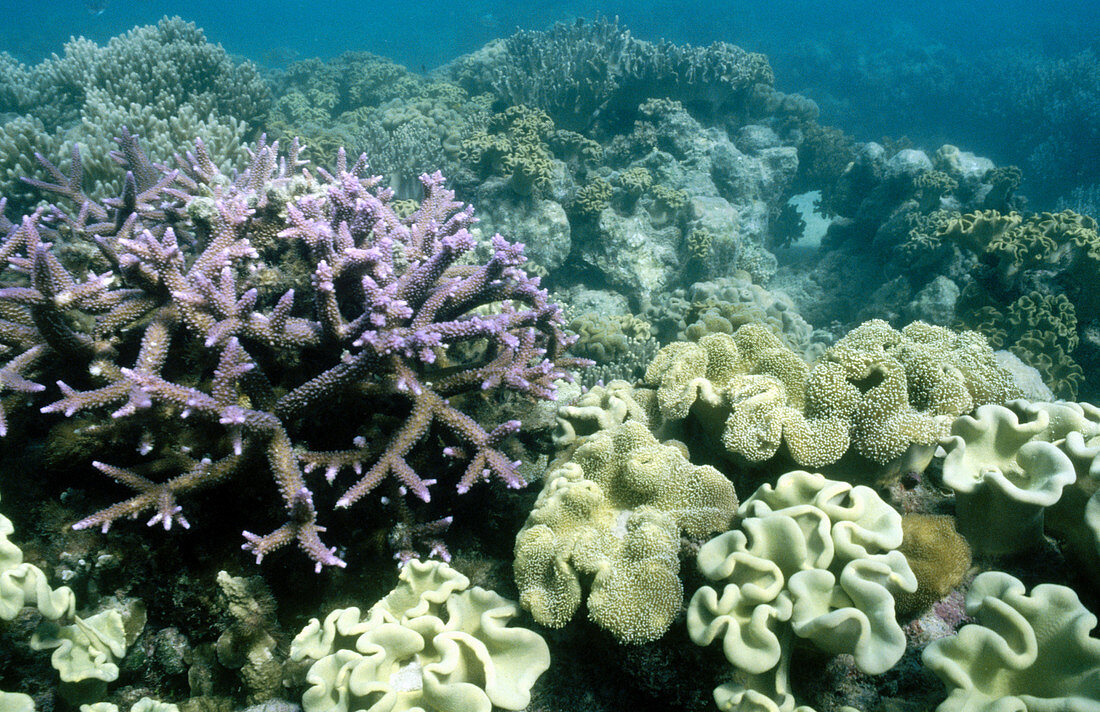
pixel 275 311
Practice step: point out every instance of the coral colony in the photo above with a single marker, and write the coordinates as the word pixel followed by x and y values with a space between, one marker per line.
pixel 258 305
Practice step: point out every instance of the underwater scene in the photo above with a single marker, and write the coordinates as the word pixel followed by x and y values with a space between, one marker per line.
pixel 576 356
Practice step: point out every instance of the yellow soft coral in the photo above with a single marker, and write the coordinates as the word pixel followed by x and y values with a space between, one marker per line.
pixel 615 513
pixel 887 395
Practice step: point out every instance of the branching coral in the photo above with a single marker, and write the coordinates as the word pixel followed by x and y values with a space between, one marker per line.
pixel 165 82
pixel 581 72
pixel 383 314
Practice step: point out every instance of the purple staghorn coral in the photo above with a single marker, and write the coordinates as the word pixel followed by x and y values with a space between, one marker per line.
pixel 263 318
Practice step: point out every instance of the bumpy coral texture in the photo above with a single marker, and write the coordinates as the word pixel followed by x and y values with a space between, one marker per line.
pixel 814 558
pixel 1026 652
pixel 432 645
pixel 877 391
pixel 602 408
pixel 938 555
pixel 615 513
pixel 264 309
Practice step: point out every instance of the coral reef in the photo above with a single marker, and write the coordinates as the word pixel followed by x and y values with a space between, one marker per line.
pixel 585 72
pixel 1004 475
pixel 614 512
pixel 164 82
pixel 86 650
pixel 328 352
pixel 433 644
pixel 406 124
pixel 885 395
pixel 1026 651
pixel 812 558
pixel 380 302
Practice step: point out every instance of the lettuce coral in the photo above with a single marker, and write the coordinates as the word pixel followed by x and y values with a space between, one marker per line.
pixel 86 650
pixel 614 512
pixel 431 645
pixel 814 559
pixel 1004 475
pixel 1028 653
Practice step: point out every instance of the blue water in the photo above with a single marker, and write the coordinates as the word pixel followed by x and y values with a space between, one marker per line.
pixel 428 33
pixel 928 71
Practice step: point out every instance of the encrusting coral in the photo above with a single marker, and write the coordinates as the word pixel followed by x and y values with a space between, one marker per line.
pixel 291 291
pixel 615 512
pixel 938 555
pixel 433 644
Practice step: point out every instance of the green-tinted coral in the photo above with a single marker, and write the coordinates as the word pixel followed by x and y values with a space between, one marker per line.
pixel 1039 328
pixel 970 231
pixel 938 555
pixel 1074 520
pixel 1026 652
pixel 667 204
pixel 432 644
pixel 812 557
pixel 698 244
pixel 1004 475
pixel 164 83
pixel 722 305
pixel 16 702
pixel 823 155
pixel 513 145
pixel 251 643
pixel 890 395
pixel 932 185
pixel 1031 285
pixel 749 391
pixel 913 383
pixel 630 185
pixel 592 198
pixel 602 407
pixel 620 345
pixel 85 650
pixel 1038 236
pixel 602 338
pixel 405 123
pixel 615 512
pixel 582 72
